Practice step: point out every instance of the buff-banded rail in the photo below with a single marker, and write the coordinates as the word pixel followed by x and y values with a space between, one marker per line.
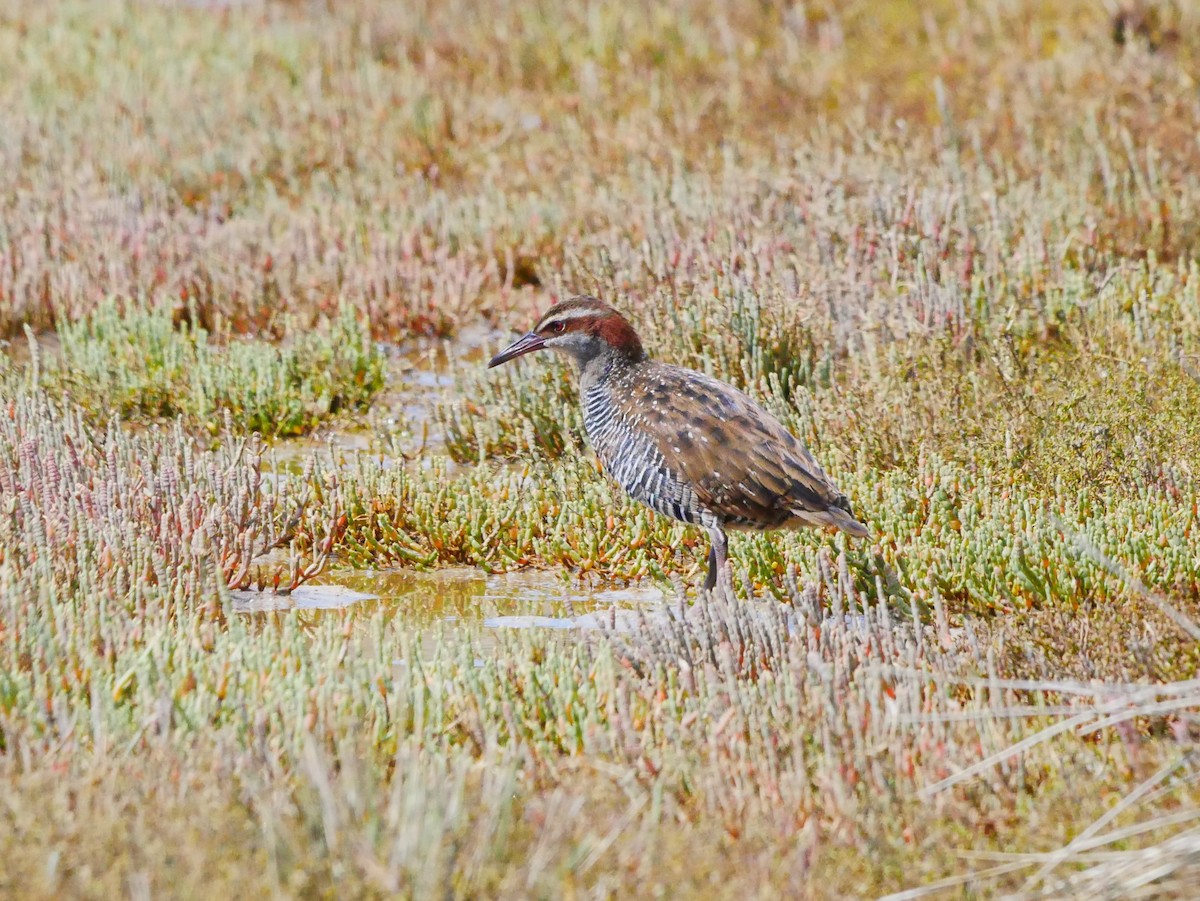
pixel 685 444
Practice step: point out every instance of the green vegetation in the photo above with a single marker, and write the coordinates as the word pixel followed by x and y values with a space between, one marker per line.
pixel 140 364
pixel 952 245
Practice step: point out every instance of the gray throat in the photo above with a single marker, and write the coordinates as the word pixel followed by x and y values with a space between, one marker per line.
pixel 594 370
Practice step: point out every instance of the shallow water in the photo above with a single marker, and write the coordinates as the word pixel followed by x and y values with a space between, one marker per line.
pixel 400 428
pixel 306 597
pixel 466 596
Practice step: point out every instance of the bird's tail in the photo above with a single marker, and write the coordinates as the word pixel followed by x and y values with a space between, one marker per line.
pixel 839 515
pixel 844 520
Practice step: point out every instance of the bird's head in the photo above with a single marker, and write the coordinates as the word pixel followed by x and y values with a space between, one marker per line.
pixel 584 328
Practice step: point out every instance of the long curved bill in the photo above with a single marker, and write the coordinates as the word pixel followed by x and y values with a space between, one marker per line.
pixel 526 344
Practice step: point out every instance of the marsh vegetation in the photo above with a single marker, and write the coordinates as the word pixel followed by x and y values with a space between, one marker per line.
pixel 252 257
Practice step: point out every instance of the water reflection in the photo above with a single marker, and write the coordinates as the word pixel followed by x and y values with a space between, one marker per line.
pixel 306 597
pixel 467 596
pixel 614 620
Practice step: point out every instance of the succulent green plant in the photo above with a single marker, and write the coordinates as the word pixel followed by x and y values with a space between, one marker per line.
pixel 952 246
pixel 142 365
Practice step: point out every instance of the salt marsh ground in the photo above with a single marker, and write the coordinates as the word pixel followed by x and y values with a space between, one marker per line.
pixel 252 258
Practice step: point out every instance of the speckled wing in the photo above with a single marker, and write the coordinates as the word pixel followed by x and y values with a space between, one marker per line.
pixel 740 461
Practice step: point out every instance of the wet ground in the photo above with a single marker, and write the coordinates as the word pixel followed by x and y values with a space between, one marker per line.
pixel 467 596
pixel 401 427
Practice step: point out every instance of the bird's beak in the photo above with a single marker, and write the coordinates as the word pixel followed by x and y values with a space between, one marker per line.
pixel 526 344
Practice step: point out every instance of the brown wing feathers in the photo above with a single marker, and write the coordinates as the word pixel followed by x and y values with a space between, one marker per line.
pixel 740 461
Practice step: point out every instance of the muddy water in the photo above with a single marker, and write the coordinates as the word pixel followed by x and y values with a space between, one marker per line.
pixel 466 596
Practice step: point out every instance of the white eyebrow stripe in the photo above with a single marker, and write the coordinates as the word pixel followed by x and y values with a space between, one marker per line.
pixel 566 316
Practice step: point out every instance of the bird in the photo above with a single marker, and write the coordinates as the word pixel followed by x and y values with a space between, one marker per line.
pixel 687 445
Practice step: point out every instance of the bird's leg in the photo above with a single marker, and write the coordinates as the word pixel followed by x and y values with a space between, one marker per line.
pixel 710 581
pixel 718 554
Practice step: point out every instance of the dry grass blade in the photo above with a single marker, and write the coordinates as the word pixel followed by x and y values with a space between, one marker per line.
pixel 951 882
pixel 1140 791
pixel 1168 869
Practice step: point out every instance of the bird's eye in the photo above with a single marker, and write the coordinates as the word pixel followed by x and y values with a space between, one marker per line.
pixel 559 327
